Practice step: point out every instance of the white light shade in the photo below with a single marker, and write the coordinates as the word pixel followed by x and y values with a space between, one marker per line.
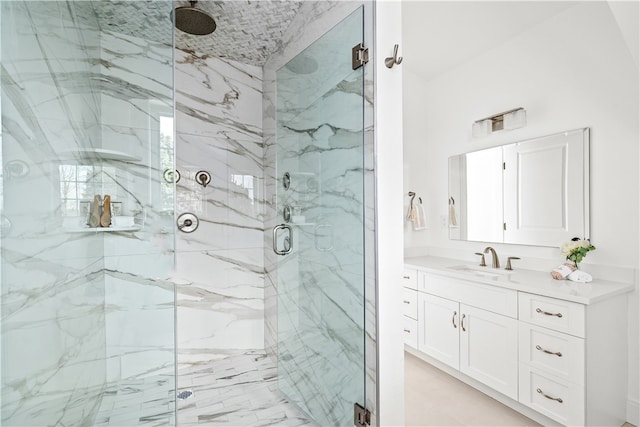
pixel 515 119
pixel 481 128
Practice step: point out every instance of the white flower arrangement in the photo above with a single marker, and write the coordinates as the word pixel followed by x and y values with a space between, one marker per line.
pixel 576 249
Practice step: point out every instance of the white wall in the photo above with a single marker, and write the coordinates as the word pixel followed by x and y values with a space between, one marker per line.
pixel 388 141
pixel 570 71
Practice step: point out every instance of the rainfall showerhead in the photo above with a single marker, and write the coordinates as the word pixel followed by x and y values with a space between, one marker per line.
pixel 194 21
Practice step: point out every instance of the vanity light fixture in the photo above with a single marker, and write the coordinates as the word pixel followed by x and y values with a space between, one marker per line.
pixel 507 120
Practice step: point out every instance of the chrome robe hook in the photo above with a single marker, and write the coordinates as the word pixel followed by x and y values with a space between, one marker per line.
pixel 393 60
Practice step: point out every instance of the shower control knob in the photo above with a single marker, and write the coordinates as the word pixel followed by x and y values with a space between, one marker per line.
pixel 171 176
pixel 203 178
pixel 188 222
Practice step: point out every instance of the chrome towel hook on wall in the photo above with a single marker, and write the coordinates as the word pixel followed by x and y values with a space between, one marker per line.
pixel 393 60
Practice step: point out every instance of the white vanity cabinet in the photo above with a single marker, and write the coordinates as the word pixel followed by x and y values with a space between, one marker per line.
pixel 410 307
pixel 463 324
pixel 573 359
pixel 553 350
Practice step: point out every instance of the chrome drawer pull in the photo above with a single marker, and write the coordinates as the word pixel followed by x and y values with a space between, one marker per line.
pixel 407 277
pixel 407 302
pixel 546 313
pixel 407 331
pixel 548 352
pixel 453 319
pixel 557 399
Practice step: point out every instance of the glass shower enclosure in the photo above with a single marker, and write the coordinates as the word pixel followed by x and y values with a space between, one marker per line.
pixel 85 308
pixel 320 242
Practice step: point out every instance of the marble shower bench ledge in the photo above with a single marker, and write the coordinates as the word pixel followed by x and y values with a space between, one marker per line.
pixel 102 229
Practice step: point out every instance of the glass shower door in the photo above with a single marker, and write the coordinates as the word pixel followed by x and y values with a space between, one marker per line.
pixel 86 316
pixel 320 205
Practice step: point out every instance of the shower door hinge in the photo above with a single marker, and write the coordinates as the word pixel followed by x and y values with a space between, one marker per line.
pixel 361 416
pixel 359 56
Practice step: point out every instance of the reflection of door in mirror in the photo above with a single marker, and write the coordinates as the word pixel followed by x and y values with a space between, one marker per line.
pixel 544 190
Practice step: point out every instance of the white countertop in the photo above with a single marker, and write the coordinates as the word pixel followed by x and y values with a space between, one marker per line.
pixel 535 282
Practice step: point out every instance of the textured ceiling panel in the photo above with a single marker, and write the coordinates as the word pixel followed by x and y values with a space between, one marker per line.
pixel 248 30
pixel 150 20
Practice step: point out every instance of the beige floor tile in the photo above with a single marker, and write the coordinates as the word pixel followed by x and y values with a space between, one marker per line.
pixel 434 398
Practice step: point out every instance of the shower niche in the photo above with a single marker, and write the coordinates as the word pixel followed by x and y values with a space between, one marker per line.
pixel 85 184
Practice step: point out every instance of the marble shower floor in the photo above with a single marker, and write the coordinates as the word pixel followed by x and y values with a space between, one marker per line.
pixel 238 390
pixel 138 402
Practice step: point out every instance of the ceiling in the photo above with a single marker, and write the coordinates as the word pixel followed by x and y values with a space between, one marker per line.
pixel 441 35
pixel 248 31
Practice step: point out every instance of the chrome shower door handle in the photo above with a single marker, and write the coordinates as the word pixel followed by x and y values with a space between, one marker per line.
pixel 288 240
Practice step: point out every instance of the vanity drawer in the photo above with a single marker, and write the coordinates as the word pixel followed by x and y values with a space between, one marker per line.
pixel 492 298
pixel 410 303
pixel 410 332
pixel 560 400
pixel 410 278
pixel 561 355
pixel 552 313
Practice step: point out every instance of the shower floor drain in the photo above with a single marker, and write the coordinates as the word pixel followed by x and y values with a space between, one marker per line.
pixel 185 394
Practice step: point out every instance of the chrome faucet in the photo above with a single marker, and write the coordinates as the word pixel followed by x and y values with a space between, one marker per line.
pixel 495 262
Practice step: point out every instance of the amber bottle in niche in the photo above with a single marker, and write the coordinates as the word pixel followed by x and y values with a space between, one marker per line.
pixel 105 218
pixel 94 217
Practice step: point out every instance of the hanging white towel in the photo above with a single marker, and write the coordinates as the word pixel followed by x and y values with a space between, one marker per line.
pixel 419 222
pixel 453 221
pixel 411 215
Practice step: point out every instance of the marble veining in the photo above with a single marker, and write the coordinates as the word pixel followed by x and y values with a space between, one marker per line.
pixel 321 143
pixel 113 90
pixel 80 309
pixel 219 271
pixel 239 389
pixel 313 20
pixel 138 402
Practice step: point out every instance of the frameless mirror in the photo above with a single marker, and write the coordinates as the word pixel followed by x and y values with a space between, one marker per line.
pixel 533 192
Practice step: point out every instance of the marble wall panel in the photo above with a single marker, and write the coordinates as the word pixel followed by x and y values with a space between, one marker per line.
pixel 50 55
pixel 219 268
pixel 139 316
pixel 137 121
pixel 52 288
pixel 66 88
pixel 53 334
pixel 220 306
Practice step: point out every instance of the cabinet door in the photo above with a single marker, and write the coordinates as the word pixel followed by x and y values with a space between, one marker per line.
pixel 438 325
pixel 489 349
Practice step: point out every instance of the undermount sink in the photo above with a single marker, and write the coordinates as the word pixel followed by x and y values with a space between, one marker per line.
pixel 482 271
